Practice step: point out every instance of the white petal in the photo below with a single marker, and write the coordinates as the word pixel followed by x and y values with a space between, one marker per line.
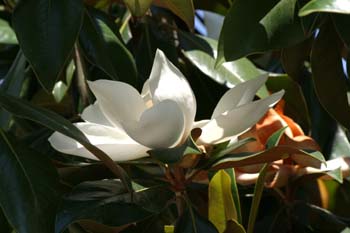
pixel 200 124
pixel 93 114
pixel 118 101
pixel 167 82
pixel 229 125
pixel 239 95
pixel 161 126
pixel 114 142
pixel 146 94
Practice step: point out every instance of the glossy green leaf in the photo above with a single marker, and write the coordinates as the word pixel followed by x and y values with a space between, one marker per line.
pixel 218 6
pixel 7 35
pixel 328 75
pixel 138 7
pixel 302 157
pixel 225 149
pixel 4 224
pixel 175 154
pixel 258 190
pixel 296 106
pixel 32 178
pixel 193 42
pixel 46 31
pixel 229 73
pixel 340 145
pixel 275 138
pixel 221 204
pixel 336 174
pixel 12 85
pixel 192 222
pixel 107 202
pixel 103 48
pixel 234 226
pixel 331 6
pixel 184 9
pixel 258 26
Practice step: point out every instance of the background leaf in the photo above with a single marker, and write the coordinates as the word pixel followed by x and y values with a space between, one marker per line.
pixel 29 187
pixel 47 34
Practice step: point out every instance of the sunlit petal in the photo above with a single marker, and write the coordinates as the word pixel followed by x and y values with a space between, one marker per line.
pixel 161 126
pixel 167 82
pixel 237 121
pixel 93 114
pixel 114 142
pixel 241 94
pixel 118 101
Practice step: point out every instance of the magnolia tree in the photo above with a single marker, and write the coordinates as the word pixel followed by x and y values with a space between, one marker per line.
pixel 175 116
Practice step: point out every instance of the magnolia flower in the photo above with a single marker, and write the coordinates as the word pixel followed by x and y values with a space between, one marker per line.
pixel 126 124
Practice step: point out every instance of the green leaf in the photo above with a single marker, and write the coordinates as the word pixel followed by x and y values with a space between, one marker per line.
pixel 223 151
pixel 316 218
pixel 331 6
pixel 342 24
pixel 296 106
pixel 222 207
pixel 302 157
pixel 184 9
pixel 108 203
pixel 175 154
pixel 340 145
pixel 55 122
pixel 192 222
pixel 235 195
pixel 29 187
pixel 138 8
pixel 190 42
pixel 258 26
pixel 151 40
pixel 7 35
pixel 258 190
pixel 12 85
pixel 103 48
pixel 336 174
pixel 275 138
pixel 328 76
pixel 229 73
pixel 60 89
pixel 47 35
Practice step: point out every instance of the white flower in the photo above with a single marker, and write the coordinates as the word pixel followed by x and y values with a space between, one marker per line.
pixel 126 124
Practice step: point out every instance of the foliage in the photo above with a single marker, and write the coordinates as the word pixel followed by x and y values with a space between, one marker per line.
pixel 287 179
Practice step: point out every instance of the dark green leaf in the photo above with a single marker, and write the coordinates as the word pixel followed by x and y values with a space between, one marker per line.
pixel 51 120
pixel 7 35
pixel 190 42
pixel 332 6
pixel 235 195
pixel 4 224
pixel 316 218
pixel 12 85
pixel 46 31
pixel 106 50
pixel 328 75
pixel 108 203
pixel 28 184
pixel 342 24
pixel 175 154
pixel 257 26
pixel 192 222
pixel 296 106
